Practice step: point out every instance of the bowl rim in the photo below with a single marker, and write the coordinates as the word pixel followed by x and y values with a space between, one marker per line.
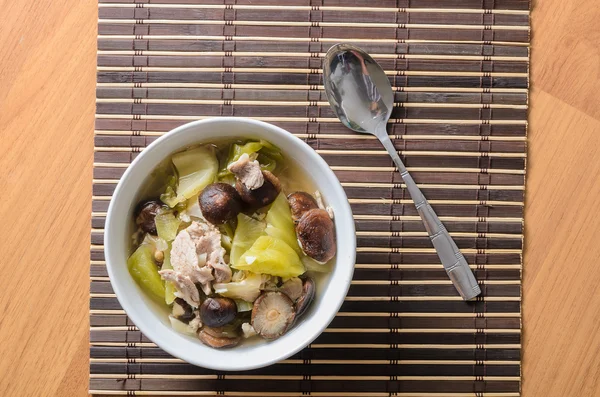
pixel 137 318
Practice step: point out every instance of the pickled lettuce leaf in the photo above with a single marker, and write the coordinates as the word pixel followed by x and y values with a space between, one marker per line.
pixel 312 265
pixel 235 152
pixel 267 154
pixel 196 168
pixel 269 255
pixel 156 242
pixel 280 224
pixel 247 289
pixel 167 225
pixel 144 271
pixel 169 286
pixel 226 229
pixel 246 233
pixel 271 150
pixel 181 327
pixel 226 236
pixel 191 210
pixel 266 163
pixel 270 147
pixel 169 197
pixel 243 306
pixel 227 177
pixel 226 242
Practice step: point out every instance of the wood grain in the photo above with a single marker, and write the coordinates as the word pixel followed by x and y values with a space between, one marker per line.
pixel 47 78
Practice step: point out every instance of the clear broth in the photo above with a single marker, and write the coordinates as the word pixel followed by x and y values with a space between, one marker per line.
pixel 292 179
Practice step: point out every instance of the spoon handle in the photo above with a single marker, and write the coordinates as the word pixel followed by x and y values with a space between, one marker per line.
pixel 453 260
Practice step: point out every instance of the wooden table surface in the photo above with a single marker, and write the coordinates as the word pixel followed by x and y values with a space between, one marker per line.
pixel 47 81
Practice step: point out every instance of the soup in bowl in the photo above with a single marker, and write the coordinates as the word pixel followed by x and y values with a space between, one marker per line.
pixel 230 243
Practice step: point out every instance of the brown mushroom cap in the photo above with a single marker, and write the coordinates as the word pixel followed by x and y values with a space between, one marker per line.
pixel 219 203
pixel 145 212
pixel 273 313
pixel 217 311
pixel 262 196
pixel 228 331
pixel 308 294
pixel 316 235
pixel 300 202
pixel 217 342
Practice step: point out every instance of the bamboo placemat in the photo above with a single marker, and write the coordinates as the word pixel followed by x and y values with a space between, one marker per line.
pixel 460 72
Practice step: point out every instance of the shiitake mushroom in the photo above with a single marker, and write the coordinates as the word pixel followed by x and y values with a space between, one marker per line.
pixel 219 203
pixel 182 311
pixel 301 202
pixel 207 336
pixel 316 235
pixel 217 311
pixel 272 314
pixel 145 213
pixel 307 296
pixel 262 196
pixel 231 330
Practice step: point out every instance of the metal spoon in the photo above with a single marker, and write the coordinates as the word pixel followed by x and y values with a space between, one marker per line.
pixel 361 96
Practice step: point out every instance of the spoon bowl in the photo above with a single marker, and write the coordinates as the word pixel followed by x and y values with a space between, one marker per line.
pixel 357 88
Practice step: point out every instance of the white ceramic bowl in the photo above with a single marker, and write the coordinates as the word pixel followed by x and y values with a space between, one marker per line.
pixel 152 319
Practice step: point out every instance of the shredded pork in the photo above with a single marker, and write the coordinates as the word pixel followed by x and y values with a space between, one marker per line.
pixel 248 330
pixel 247 171
pixel 197 259
pixel 208 241
pixel 186 289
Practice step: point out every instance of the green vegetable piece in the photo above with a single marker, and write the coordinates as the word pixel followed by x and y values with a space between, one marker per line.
pixel 226 236
pixel 265 152
pixel 226 228
pixel 169 286
pixel 312 265
pixel 167 225
pixel 235 152
pixel 280 224
pixel 226 242
pixel 169 197
pixel 269 255
pixel 197 168
pixel 246 233
pixel 243 306
pixel 269 156
pixel 268 145
pixel 182 206
pixel 226 177
pixel 247 289
pixel 145 272
pixel 271 150
pixel 266 162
